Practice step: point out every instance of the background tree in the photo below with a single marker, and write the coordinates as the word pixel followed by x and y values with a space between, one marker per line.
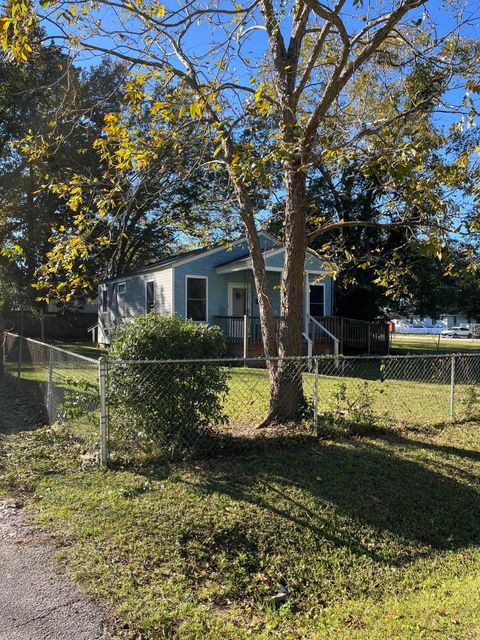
pixel 40 99
pixel 291 61
pixel 373 264
pixel 153 196
pixel 64 125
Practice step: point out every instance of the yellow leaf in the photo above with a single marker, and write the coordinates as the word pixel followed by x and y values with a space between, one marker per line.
pixel 195 110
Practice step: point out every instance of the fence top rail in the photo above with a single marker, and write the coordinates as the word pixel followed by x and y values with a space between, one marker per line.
pixel 51 346
pixel 324 358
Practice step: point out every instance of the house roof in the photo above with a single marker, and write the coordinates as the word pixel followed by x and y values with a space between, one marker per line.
pixel 186 255
pixel 245 261
pixel 160 264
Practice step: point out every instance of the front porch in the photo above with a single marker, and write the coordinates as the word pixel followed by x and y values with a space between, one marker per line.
pixel 322 335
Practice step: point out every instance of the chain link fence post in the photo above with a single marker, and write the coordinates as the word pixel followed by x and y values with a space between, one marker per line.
pixel 50 386
pixel 102 387
pixel 3 352
pixel 452 387
pixel 19 363
pixel 315 397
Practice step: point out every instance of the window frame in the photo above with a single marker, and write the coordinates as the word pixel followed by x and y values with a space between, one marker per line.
pixel 194 277
pixel 121 288
pixel 316 284
pixel 105 300
pixel 154 302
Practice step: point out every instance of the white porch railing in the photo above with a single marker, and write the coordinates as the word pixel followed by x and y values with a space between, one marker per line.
pixel 317 332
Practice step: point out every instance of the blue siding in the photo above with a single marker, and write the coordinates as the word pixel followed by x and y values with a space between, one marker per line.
pixel 217 283
pixel 170 284
pixel 312 263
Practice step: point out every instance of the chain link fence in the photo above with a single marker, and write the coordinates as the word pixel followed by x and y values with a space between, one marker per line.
pixel 139 410
pixel 158 405
pixel 61 385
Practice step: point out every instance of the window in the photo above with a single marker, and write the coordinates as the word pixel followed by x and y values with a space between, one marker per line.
pixel 104 300
pixel 150 296
pixel 197 298
pixel 121 288
pixel 317 304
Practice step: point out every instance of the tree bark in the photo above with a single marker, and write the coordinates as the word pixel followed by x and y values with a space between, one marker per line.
pixel 2 338
pixel 267 319
pixel 287 400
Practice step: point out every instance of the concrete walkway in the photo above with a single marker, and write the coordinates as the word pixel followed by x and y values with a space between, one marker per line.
pixel 37 601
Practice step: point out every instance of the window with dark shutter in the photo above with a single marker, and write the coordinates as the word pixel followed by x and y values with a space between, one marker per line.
pixel 104 301
pixel 317 301
pixel 150 295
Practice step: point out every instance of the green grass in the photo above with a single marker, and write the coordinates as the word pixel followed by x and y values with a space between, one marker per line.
pixel 371 538
pixel 391 401
pixel 87 349
pixel 403 344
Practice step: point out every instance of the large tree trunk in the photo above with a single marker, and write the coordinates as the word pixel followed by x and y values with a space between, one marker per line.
pixel 2 338
pixel 287 401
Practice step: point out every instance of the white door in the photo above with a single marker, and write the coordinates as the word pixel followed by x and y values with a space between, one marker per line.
pixel 238 299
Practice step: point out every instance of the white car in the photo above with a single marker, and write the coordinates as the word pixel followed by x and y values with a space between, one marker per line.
pixel 457 332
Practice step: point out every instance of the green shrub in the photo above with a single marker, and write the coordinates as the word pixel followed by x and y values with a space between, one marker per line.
pixel 170 405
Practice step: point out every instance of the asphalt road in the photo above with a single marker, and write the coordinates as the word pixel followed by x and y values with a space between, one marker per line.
pixel 37 601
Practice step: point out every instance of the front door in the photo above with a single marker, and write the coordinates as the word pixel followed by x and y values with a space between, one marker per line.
pixel 238 300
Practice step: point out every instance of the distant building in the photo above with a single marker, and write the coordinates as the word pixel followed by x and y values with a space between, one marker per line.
pixel 424 324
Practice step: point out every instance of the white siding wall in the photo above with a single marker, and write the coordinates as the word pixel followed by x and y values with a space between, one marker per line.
pixel 132 302
pixel 135 294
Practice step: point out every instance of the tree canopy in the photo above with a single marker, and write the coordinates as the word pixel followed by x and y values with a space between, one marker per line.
pixel 73 209
pixel 338 82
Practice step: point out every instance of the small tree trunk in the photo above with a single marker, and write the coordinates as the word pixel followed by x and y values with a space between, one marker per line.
pixel 267 319
pixel 286 390
pixel 42 325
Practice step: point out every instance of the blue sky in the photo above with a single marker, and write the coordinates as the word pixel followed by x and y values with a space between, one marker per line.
pixel 442 13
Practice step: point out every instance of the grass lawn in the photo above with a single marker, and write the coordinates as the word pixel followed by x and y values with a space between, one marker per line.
pixel 392 400
pixel 404 344
pixel 369 538
pixel 87 349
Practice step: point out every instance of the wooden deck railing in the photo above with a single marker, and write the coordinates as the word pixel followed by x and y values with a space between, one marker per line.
pixel 358 335
pixel 233 328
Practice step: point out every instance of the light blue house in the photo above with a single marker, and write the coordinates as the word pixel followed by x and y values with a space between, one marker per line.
pixel 216 286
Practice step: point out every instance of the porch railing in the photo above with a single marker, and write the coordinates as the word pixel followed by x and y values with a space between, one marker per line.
pixel 233 328
pixel 358 335
pixel 342 334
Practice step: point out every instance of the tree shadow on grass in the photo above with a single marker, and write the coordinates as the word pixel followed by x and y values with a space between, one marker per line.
pixel 341 492
pixel 22 405
pixel 472 454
